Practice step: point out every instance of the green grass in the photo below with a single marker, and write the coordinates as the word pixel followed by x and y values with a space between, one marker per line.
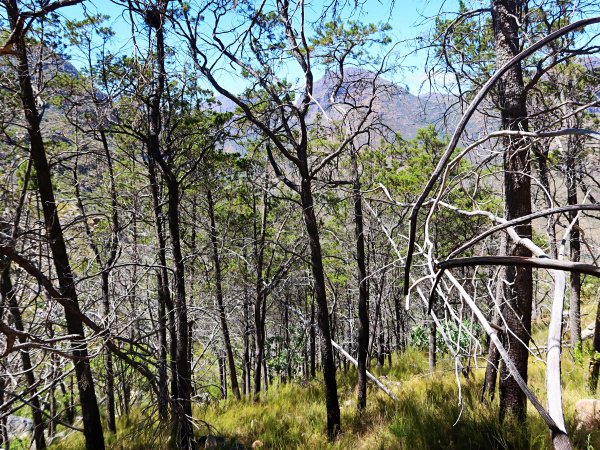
pixel 427 415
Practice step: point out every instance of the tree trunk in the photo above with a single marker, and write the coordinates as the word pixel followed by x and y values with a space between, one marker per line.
pixel 3 427
pixel 575 249
pixel 222 377
pixel 114 243
pixel 89 405
pixel 8 298
pixel 288 350
pixel 432 346
pixel 246 350
pixel 260 301
pixel 595 361
pixel 165 303
pixel 381 345
pixel 259 336
pixel 182 436
pixel 312 338
pixel 542 158
pixel 108 361
pixel 488 391
pixel 517 187
pixel 219 294
pixel 316 257
pixel 363 290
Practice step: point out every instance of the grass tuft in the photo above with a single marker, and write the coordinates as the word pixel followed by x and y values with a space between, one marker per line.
pixel 428 414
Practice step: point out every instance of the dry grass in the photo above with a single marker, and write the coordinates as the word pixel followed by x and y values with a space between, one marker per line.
pixel 428 414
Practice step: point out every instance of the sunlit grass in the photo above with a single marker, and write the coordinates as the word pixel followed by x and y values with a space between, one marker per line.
pixel 428 414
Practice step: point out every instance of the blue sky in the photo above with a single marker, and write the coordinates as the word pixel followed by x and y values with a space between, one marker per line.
pixel 408 18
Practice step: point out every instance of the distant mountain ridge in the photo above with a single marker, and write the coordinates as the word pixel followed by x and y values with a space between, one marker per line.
pixel 396 108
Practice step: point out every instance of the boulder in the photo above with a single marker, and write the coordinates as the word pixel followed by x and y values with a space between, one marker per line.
pixel 18 426
pixel 587 414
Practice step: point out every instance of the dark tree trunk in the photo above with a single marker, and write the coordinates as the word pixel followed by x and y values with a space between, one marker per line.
pixel 109 387
pixel 488 391
pixel 517 185
pixel 222 377
pixel 3 427
pixel 182 436
pixel 108 361
pixel 327 359
pixel 288 350
pixel 219 294
pixel 89 405
pixel 312 338
pixel 542 158
pixel 8 298
pixel 363 290
pixel 432 346
pixel 381 346
pixel 114 243
pixel 52 422
pixel 595 361
pixel 260 301
pixel 165 303
pixel 246 350
pixel 575 249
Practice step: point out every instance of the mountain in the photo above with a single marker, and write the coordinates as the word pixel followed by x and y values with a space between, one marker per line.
pixel 393 106
pixel 395 109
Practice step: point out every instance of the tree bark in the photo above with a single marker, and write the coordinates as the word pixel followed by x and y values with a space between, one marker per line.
pixel 316 257
pixel 92 425
pixel 8 298
pixel 246 349
pixel 182 435
pixel 166 309
pixel 363 289
pixel 517 186
pixel 488 391
pixel 432 346
pixel 312 338
pixel 219 294
pixel 574 247
pixel 260 300
pixel 595 360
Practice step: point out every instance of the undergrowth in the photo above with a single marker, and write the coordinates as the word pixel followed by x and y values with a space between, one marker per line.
pixel 427 415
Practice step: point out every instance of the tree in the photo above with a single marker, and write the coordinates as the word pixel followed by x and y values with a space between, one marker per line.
pixel 89 403
pixel 517 191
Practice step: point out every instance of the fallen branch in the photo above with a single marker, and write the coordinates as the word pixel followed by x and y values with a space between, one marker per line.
pixel 371 377
pixel 542 263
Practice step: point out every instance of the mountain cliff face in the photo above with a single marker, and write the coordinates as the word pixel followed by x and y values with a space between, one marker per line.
pixel 394 108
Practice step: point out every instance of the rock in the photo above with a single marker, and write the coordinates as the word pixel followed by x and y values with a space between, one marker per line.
pixel 587 414
pixel 588 332
pixel 214 442
pixel 18 426
pixel 220 442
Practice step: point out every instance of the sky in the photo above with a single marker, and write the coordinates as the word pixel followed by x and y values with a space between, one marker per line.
pixel 408 18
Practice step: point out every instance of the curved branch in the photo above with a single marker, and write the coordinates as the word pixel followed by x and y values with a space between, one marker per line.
pixel 463 122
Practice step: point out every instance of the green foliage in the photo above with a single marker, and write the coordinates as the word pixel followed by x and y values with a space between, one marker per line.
pixel 459 336
pixel 340 43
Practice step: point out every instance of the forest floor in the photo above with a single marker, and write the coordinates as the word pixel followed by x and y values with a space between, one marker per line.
pixel 427 415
